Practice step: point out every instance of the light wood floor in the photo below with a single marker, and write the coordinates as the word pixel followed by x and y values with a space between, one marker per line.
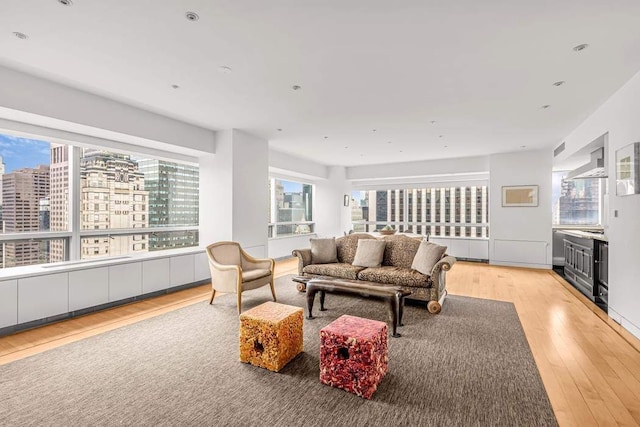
pixel 588 364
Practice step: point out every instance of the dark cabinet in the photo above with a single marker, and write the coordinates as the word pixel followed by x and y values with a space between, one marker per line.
pixel 579 263
pixel 586 267
pixel 602 274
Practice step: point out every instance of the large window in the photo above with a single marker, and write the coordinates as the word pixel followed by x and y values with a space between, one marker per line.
pixel 576 201
pixel 438 211
pixel 125 204
pixel 291 208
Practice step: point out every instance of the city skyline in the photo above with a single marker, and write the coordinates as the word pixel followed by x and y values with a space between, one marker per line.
pixel 113 195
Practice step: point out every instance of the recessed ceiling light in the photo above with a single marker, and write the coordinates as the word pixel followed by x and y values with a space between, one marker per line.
pixel 224 69
pixel 445 146
pixel 544 107
pixel 192 16
pixel 326 137
pixel 559 83
pixel 296 87
pixel 388 142
pixel 580 47
pixel 433 122
pixel 401 151
pixel 374 130
pixel 440 136
pixel 175 86
pixel 346 146
pixel 279 129
pixel 523 146
pixel 65 2
pixel 21 36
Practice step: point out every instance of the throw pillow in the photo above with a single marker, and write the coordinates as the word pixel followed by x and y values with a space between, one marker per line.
pixel 323 251
pixel 369 253
pixel 427 256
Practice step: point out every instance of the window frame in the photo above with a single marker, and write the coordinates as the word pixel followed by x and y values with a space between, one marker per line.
pixel 74 234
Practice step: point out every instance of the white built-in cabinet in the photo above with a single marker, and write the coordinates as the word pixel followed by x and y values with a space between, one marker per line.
pixel 40 296
pixel 88 288
pixel 464 248
pixel 8 303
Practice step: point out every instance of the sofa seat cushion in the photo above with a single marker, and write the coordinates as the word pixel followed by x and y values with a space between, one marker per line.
pixel 394 276
pixel 341 270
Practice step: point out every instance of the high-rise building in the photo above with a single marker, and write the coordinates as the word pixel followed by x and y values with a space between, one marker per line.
pixel 59 199
pixel 22 191
pixel 427 210
pixel 173 201
pixel 112 196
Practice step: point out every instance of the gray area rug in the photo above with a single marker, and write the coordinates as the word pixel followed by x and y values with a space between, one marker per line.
pixel 468 366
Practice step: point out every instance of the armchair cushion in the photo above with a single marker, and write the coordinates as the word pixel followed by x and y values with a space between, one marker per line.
pixel 323 251
pixel 427 256
pixel 249 275
pixel 369 253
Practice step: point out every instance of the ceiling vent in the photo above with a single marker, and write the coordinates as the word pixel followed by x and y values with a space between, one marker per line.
pixel 559 149
pixel 594 169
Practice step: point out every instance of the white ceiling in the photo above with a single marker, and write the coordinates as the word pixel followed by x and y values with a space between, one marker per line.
pixel 480 69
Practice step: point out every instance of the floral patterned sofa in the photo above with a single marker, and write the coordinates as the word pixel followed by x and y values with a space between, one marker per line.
pixel 395 269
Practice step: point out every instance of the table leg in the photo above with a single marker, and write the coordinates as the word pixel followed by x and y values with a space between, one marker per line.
pixel 400 300
pixel 322 293
pixel 311 294
pixel 393 305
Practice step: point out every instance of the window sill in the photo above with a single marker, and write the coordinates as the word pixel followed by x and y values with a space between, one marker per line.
pixel 63 267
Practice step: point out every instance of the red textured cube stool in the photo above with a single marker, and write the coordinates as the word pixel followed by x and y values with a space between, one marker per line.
pixel 270 335
pixel 353 354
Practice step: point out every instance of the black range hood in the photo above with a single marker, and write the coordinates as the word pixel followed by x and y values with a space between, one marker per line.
pixel 594 169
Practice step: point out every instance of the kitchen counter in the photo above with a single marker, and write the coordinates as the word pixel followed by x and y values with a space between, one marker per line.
pixel 584 234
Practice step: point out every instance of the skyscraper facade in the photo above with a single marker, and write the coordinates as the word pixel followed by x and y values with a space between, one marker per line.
pixel 173 191
pixel 59 199
pixel 22 192
pixel 112 196
pixel 445 211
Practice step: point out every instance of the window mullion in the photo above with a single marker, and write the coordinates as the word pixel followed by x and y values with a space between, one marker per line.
pixel 74 202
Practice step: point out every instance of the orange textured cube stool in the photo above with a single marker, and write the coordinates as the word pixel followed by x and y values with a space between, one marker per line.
pixel 270 335
pixel 354 355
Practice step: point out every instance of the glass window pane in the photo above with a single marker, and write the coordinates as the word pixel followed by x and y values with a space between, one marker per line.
pixel 426 207
pixel 291 210
pixel 130 192
pixel 575 201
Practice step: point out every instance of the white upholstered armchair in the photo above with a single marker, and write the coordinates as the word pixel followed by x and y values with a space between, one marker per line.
pixel 234 270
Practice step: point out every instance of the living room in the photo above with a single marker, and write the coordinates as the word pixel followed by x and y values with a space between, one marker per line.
pixel 357 108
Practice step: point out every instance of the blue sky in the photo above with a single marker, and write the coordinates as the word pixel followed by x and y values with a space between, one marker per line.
pixel 20 152
pixel 291 187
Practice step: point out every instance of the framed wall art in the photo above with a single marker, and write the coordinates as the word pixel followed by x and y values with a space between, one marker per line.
pixel 520 195
pixel 627 173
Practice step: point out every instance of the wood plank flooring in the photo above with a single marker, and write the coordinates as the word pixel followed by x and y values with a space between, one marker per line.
pixel 589 365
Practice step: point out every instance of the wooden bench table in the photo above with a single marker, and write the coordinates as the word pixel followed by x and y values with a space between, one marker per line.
pixel 392 295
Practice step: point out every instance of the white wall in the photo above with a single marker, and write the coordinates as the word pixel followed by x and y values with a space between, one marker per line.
pixel 33 100
pixel 618 116
pixel 331 216
pixel 448 167
pixel 250 192
pixel 216 191
pixel 520 236
pixel 234 195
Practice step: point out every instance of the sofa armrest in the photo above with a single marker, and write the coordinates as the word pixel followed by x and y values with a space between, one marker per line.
pixel 439 274
pixel 304 258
